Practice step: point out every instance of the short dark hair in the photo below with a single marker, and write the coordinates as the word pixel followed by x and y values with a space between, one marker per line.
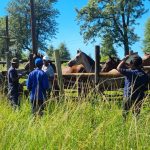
pixel 137 61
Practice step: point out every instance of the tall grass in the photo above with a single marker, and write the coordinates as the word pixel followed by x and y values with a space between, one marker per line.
pixel 69 124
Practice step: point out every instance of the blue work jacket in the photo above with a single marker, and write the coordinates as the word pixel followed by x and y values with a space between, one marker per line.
pixel 37 84
pixel 136 82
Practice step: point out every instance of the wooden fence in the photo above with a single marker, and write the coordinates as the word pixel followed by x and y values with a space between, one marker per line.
pixel 83 83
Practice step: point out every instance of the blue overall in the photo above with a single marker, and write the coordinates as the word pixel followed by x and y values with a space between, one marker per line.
pixel 37 84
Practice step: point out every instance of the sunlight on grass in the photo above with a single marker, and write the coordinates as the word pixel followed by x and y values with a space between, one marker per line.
pixel 67 124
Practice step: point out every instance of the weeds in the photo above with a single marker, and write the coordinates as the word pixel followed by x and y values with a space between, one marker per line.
pixel 70 124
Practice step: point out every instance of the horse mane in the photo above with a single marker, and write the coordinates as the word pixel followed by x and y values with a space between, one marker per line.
pixel 91 61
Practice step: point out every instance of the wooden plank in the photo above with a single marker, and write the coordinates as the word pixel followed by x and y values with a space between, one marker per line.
pixel 97 65
pixel 92 74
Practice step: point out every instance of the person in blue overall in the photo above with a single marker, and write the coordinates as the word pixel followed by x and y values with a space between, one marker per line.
pixel 38 84
pixel 13 83
pixel 136 83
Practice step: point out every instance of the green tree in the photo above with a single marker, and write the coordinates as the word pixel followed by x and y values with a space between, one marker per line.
pixel 63 51
pixel 147 37
pixel 117 18
pixel 12 47
pixel 20 26
pixel 50 52
pixel 107 48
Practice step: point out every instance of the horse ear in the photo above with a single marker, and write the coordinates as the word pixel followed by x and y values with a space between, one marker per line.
pixel 78 51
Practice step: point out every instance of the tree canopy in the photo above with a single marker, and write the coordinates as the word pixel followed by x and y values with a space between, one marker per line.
pixel 147 37
pixel 20 26
pixel 107 48
pixel 117 18
pixel 63 51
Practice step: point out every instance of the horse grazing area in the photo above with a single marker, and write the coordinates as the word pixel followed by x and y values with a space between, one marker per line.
pixel 89 123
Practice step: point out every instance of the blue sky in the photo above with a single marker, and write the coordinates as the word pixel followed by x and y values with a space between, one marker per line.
pixel 69 31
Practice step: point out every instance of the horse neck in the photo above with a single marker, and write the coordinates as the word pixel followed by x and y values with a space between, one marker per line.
pixel 146 62
pixel 88 67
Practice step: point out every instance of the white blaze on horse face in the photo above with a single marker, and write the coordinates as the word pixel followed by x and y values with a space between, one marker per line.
pixel 78 59
pixel 81 59
pixel 75 61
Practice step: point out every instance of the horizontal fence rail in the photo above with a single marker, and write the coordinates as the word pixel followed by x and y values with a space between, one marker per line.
pixel 25 60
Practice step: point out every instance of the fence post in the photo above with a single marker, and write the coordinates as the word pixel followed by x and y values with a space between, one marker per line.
pixel 97 64
pixel 59 71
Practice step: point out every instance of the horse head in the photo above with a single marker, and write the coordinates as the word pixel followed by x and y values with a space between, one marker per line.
pixel 146 59
pixel 77 60
pixel 83 59
pixel 110 64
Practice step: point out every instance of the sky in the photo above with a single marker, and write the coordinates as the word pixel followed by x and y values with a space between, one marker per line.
pixel 69 31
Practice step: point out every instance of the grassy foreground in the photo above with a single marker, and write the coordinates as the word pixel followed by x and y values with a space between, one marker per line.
pixel 71 124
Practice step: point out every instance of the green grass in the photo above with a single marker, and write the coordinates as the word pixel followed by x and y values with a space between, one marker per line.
pixel 83 124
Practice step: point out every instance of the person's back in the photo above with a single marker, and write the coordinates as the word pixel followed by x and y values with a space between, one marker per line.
pixel 38 84
pixel 136 82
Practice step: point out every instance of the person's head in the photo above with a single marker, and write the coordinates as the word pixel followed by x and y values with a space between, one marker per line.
pixel 38 63
pixel 46 60
pixel 15 63
pixel 136 62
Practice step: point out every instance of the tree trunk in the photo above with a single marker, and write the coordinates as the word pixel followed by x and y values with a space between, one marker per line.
pixel 126 45
pixel 126 49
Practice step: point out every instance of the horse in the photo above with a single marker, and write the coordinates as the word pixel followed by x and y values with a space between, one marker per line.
pixel 83 59
pixel 89 64
pixel 146 59
pixel 112 63
pixel 74 69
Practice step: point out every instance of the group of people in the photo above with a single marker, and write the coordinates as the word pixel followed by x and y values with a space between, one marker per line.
pixel 39 84
pixel 40 80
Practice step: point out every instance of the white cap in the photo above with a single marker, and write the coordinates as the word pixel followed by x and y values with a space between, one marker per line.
pixel 46 58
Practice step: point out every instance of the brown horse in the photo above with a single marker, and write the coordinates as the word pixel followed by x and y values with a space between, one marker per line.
pixel 89 65
pixel 111 65
pixel 73 69
pixel 146 59
pixel 83 59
